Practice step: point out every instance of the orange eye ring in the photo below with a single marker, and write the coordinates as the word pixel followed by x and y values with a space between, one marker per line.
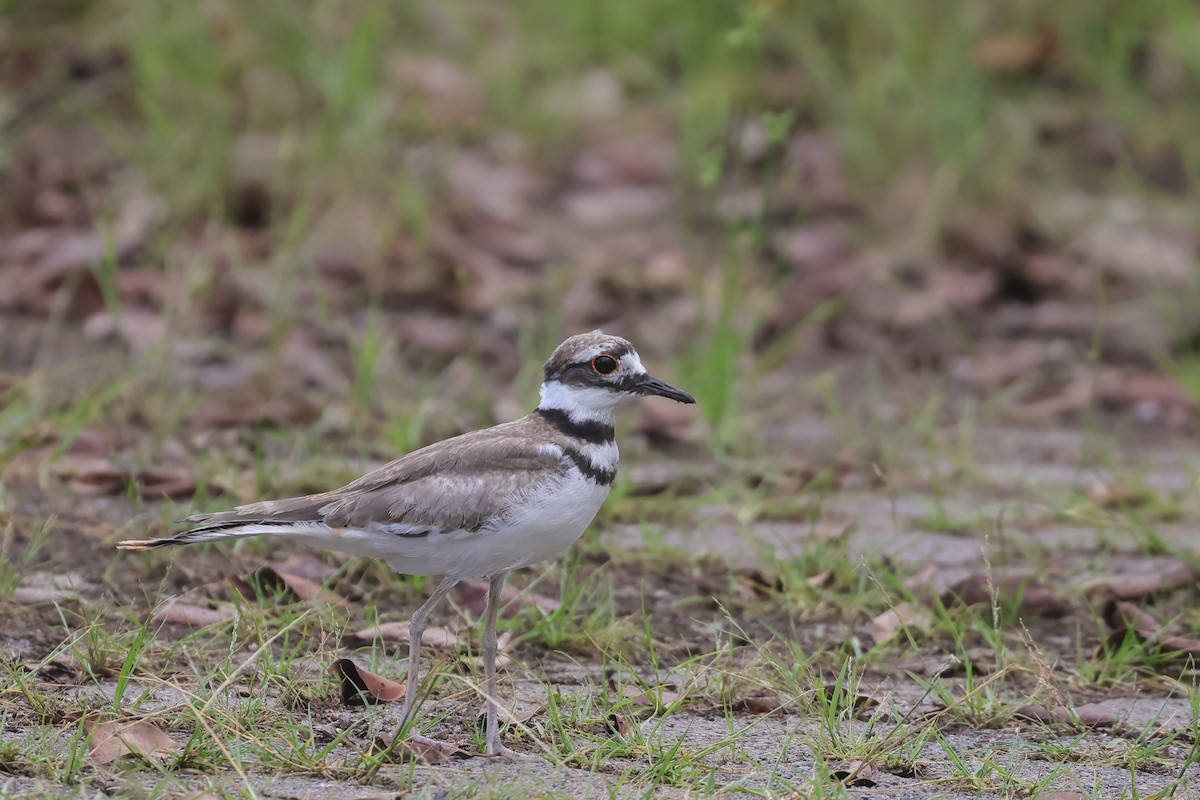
pixel 604 364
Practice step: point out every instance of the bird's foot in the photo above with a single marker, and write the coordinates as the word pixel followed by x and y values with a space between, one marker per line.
pixel 498 752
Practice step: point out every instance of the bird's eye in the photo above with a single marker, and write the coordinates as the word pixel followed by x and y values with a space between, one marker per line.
pixel 605 364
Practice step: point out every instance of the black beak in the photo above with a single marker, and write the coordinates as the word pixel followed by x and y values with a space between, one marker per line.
pixel 648 384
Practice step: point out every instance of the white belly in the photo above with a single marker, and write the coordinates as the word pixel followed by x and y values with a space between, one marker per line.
pixel 547 523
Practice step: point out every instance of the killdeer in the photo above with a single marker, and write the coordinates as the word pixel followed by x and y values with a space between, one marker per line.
pixel 478 505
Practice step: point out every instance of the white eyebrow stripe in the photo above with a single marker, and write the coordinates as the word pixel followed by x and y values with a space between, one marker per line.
pixel 633 363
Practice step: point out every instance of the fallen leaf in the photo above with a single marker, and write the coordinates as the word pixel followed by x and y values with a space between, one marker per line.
pixel 978 588
pixel 172 483
pixel 1094 715
pixel 42 595
pixel 998 364
pixel 1125 618
pixel 655 697
pixel 234 407
pixel 38 588
pixel 398 633
pixel 1108 494
pixel 619 724
pixel 176 611
pixel 472 593
pixel 756 704
pixel 822 580
pixel 308 566
pixel 103 475
pixel 1134 585
pixel 422 750
pixel 906 614
pixel 93 442
pixel 946 665
pixel 273 578
pixel 61 671
pixel 111 740
pixel 90 475
pixel 1018 52
pixel 138 328
pixel 1090 715
pixel 360 687
pixel 858 773
pixel 499 191
pixel 1148 396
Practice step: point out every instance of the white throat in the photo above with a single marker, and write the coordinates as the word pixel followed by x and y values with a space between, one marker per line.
pixel 581 403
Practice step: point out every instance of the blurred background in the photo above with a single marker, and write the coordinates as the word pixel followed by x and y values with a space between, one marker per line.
pixel 367 224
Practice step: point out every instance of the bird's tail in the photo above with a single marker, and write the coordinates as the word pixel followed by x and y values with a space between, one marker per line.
pixel 211 533
pixel 273 517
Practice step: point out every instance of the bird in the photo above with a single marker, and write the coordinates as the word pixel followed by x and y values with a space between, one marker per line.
pixel 475 506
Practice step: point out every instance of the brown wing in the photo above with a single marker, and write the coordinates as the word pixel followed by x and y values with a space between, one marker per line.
pixel 457 484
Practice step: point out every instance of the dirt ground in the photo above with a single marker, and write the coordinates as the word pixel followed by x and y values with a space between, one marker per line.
pixel 700 586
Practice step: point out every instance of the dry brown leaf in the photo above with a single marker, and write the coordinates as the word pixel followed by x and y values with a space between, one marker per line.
pixel 655 697
pixel 237 407
pixel 398 633
pixel 472 593
pixel 619 724
pixel 921 583
pixel 1013 53
pixel 1090 715
pixel 360 687
pixel 172 483
pixel 102 475
pixel 977 589
pixel 112 740
pixel 62 671
pixel 176 611
pixel 1131 586
pixel 999 364
pixel 1109 494
pixel 1094 715
pixel 41 588
pixel 1150 394
pixel 1124 617
pixel 90 475
pixel 425 751
pixel 756 704
pixel 307 566
pixel 138 328
pixel 305 357
pixel 822 580
pixel 92 442
pixel 858 773
pixel 274 578
pixel 885 626
pixel 981 661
